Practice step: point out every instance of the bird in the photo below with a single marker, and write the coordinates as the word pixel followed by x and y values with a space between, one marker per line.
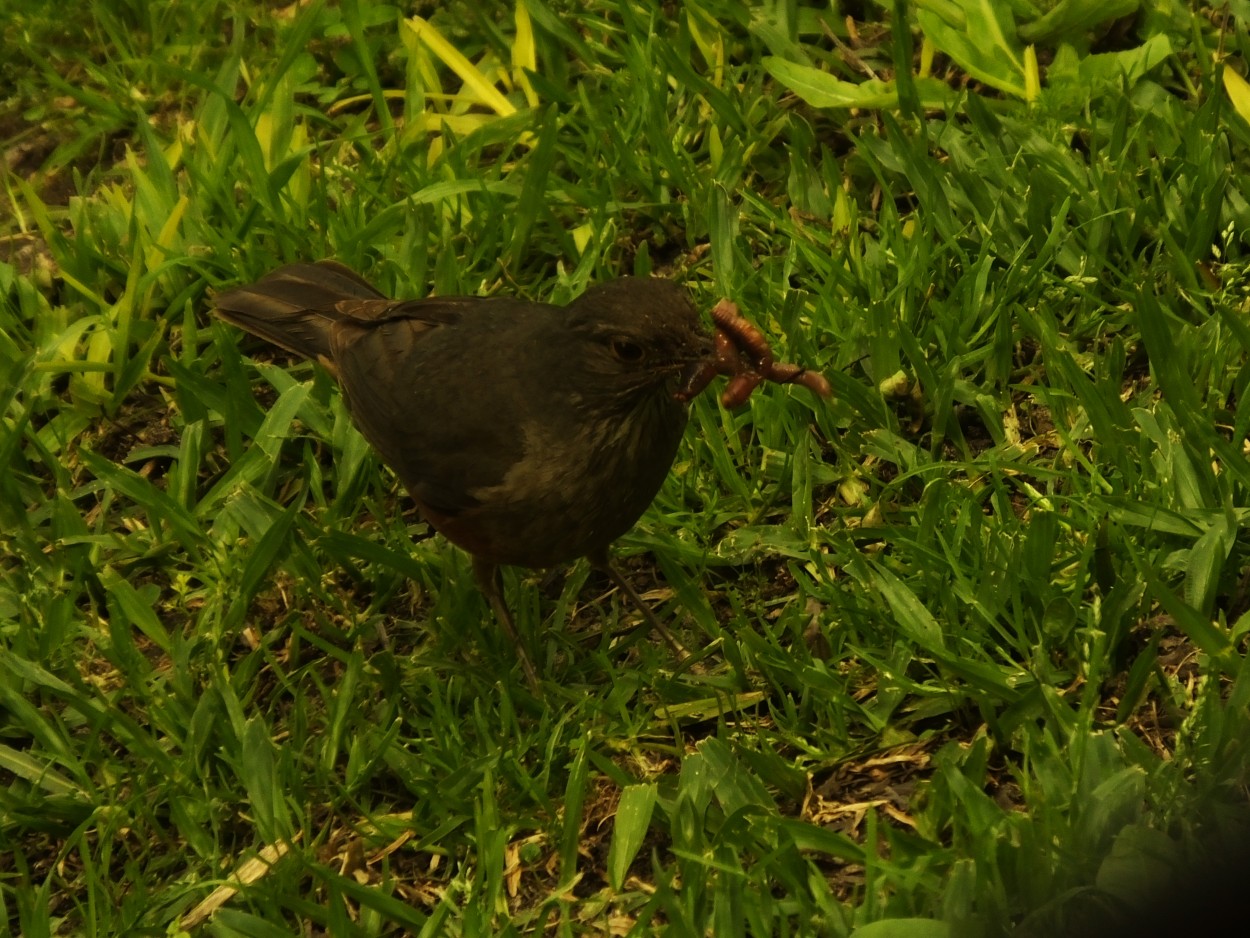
pixel 528 434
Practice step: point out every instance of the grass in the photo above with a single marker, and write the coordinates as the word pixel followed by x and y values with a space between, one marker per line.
pixel 971 637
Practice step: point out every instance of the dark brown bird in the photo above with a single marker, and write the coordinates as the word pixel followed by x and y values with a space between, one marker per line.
pixel 528 434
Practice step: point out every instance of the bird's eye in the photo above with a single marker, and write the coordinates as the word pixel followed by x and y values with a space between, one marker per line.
pixel 627 351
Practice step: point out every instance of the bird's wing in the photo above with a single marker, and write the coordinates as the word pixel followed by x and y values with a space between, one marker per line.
pixel 420 389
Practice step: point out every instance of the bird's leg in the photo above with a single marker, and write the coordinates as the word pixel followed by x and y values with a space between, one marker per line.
pixel 490 583
pixel 603 563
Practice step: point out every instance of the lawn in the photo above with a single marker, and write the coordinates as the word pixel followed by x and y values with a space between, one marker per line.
pixel 969 638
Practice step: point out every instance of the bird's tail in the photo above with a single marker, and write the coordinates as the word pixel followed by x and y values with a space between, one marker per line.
pixel 295 306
